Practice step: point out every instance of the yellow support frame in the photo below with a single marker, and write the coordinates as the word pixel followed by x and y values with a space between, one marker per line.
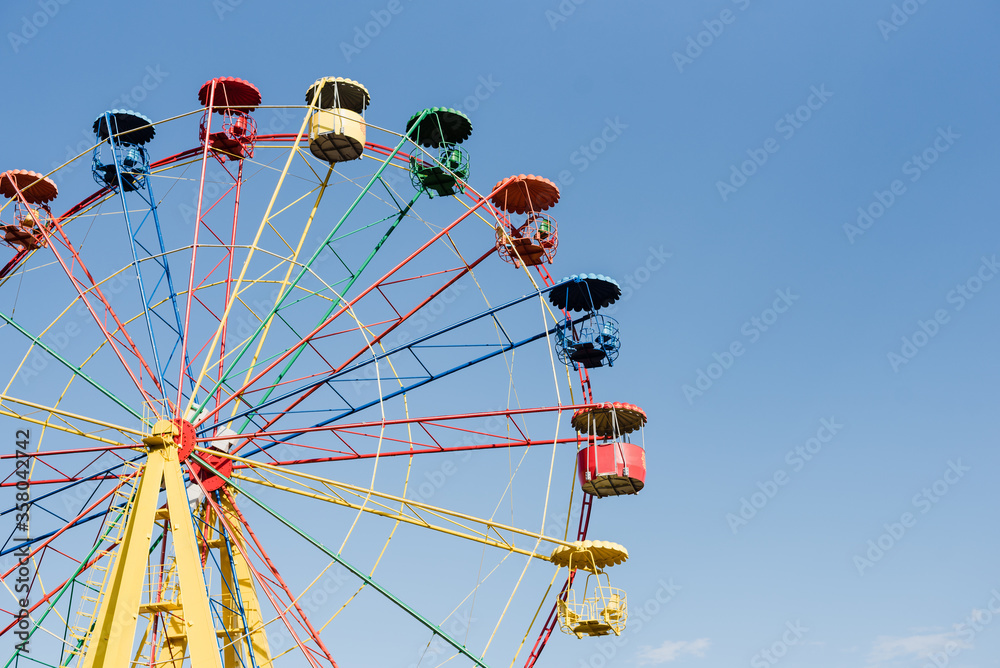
pixel 233 561
pixel 190 626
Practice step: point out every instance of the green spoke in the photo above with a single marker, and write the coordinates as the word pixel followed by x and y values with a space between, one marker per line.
pixel 198 409
pixel 75 369
pixel 336 302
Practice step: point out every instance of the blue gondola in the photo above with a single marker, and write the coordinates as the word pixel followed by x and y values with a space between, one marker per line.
pixel 594 341
pixel 120 159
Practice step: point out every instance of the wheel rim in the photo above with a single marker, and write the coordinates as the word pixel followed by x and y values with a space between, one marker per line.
pixel 114 384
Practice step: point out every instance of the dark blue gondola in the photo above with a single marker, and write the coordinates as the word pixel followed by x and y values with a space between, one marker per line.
pixel 593 341
pixel 120 159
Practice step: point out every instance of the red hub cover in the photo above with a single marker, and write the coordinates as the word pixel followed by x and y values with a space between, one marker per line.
pixel 185 440
pixel 185 444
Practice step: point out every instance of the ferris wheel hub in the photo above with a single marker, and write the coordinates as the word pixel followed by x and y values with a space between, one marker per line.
pixel 172 433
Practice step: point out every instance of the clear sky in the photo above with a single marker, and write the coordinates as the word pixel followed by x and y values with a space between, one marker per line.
pixel 799 201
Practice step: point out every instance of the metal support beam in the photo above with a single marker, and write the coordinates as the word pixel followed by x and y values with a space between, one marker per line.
pixel 115 627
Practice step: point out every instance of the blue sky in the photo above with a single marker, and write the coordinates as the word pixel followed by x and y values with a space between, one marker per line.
pixel 797 200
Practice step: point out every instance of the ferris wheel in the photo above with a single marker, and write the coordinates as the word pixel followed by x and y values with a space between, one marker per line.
pixel 278 404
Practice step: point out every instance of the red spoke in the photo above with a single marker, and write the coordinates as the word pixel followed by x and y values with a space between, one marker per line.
pixel 95 289
pixel 375 340
pixel 266 587
pixel 69 524
pixel 408 453
pixel 194 252
pixel 267 560
pixel 509 412
pixel 345 308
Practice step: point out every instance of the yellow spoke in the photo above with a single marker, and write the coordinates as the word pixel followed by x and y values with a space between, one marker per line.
pixel 67 414
pixel 45 423
pixel 292 263
pixel 475 536
pixel 450 516
pixel 210 352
